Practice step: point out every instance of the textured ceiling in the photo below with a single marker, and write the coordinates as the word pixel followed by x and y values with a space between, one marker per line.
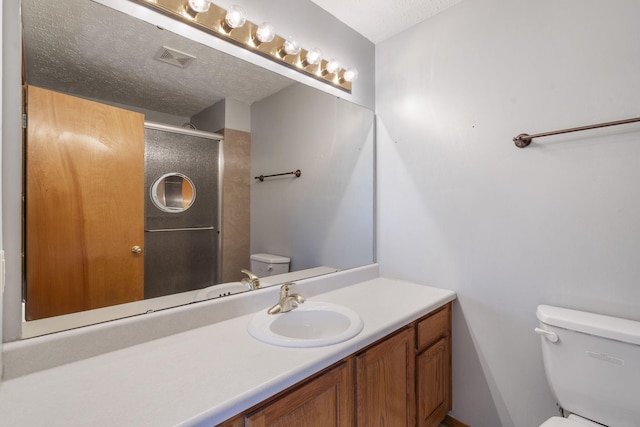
pixel 378 20
pixel 87 49
pixel 101 53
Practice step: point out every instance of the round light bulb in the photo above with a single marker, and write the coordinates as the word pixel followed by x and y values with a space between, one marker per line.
pixel 350 75
pixel 236 17
pixel 333 66
pixel 291 47
pixel 199 6
pixel 265 33
pixel 314 56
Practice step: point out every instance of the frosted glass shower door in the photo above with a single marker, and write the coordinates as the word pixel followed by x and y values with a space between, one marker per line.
pixel 182 204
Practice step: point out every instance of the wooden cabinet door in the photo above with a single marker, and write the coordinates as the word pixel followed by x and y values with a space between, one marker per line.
pixel 234 422
pixel 433 368
pixel 326 401
pixel 84 204
pixel 385 393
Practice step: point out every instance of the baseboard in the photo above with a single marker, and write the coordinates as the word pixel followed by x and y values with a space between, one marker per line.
pixel 449 421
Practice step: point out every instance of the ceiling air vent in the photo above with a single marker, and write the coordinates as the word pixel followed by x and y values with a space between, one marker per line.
pixel 174 57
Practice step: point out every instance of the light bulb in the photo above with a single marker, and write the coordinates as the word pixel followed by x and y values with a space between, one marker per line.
pixel 314 56
pixel 236 17
pixel 350 75
pixel 291 47
pixel 199 6
pixel 333 66
pixel 265 33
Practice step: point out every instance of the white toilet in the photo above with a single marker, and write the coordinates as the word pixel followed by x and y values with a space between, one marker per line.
pixel 263 265
pixel 593 367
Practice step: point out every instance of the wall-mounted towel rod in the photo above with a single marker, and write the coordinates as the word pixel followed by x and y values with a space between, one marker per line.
pixel 162 230
pixel 524 139
pixel 262 177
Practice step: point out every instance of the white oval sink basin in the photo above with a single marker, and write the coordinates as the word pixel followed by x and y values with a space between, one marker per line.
pixel 311 324
pixel 221 290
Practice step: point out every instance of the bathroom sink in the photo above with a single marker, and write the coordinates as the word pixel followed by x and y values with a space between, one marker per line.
pixel 221 290
pixel 311 324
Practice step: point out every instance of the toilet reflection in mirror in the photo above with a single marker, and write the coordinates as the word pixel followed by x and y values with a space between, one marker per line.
pixel 173 192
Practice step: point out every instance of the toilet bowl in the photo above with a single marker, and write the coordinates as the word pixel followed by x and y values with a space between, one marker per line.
pixel 591 365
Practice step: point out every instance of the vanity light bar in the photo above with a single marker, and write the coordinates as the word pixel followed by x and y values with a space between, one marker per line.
pixel 213 21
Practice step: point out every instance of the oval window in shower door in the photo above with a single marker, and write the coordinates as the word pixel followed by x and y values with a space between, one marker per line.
pixel 173 192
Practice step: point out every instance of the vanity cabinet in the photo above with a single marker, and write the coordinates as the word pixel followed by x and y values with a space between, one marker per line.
pixel 324 401
pixel 385 382
pixel 233 422
pixel 433 368
pixel 403 379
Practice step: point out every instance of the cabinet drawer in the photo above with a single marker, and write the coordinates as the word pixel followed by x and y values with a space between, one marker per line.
pixel 434 327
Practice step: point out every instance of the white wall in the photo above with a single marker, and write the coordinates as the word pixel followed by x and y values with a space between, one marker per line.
pixel 237 115
pixel 211 118
pixel 325 217
pixel 461 207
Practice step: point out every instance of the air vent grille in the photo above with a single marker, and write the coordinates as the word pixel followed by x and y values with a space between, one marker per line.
pixel 174 57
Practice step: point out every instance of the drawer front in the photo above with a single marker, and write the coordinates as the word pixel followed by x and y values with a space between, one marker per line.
pixel 434 327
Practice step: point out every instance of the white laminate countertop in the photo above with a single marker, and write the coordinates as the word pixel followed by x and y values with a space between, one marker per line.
pixel 206 375
pixel 34 328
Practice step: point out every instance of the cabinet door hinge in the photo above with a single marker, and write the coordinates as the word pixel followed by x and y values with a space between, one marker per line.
pixel 24 121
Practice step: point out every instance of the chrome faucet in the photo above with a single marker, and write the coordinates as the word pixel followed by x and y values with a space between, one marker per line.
pixel 286 302
pixel 252 281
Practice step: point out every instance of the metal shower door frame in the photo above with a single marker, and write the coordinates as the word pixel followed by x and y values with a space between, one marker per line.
pixel 220 138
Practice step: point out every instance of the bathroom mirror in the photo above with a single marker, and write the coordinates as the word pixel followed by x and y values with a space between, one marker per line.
pixel 107 56
pixel 173 192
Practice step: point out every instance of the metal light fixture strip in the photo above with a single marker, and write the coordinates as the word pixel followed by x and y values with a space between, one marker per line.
pixel 212 22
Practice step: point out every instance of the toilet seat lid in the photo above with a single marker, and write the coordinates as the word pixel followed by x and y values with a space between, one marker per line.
pixel 561 422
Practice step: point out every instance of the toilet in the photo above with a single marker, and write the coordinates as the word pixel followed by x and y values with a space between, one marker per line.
pixel 592 364
pixel 263 265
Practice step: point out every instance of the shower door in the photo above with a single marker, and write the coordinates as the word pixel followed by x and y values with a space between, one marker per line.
pixel 182 204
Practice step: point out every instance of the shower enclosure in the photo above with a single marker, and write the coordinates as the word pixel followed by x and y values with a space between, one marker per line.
pixel 183 170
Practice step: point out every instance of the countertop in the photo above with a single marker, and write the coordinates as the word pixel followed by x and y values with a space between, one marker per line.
pixel 206 375
pixel 50 325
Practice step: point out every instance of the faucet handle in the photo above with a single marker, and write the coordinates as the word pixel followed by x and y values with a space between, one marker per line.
pixel 249 273
pixel 284 293
pixel 284 289
pixel 286 302
pixel 252 281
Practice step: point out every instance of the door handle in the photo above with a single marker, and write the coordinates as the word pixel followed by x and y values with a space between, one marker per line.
pixel 136 250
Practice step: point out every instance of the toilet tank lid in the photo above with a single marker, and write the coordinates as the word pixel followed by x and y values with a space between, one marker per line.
pixel 271 259
pixel 590 323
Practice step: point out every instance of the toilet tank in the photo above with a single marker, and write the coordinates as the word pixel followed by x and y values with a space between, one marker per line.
pixel 593 368
pixel 263 265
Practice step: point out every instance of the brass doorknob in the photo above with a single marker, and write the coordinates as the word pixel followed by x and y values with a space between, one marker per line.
pixel 136 250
